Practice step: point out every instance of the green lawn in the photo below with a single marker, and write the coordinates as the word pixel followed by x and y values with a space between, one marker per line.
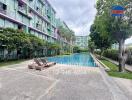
pixel 114 70
pixel 6 63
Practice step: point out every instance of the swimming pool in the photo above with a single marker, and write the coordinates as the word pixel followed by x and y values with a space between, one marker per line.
pixel 80 59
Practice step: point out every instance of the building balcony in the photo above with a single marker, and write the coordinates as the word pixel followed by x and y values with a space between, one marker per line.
pixel 33 9
pixel 23 11
pixel 48 28
pixel 38 26
pixel 30 15
pixel 48 14
pixel 3 11
pixel 3 8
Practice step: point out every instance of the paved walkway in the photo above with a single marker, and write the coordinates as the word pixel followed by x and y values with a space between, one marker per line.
pixel 127 67
pixel 60 82
pixel 125 85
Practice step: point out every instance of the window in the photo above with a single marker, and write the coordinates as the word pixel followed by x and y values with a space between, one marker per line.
pixel 20 27
pixel 26 21
pixel 4 7
pixel 9 24
pixel 1 22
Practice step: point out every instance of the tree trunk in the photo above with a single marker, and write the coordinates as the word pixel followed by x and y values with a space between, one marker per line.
pixel 121 56
pixel 102 52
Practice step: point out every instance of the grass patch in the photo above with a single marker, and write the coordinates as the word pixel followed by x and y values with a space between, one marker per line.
pixel 114 70
pixel 6 63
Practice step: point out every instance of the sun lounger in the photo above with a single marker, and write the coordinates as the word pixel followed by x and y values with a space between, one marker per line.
pixel 40 64
pixel 47 63
pixel 37 64
pixel 32 66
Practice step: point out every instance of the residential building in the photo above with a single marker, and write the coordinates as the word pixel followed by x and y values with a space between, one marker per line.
pixel 63 41
pixel 35 17
pixel 116 46
pixel 82 42
pixel 32 16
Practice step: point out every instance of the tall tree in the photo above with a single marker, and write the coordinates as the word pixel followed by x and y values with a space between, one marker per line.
pixel 118 27
pixel 91 46
pixel 101 42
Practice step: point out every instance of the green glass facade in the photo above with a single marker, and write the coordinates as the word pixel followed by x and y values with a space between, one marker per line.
pixel 32 16
pixel 66 46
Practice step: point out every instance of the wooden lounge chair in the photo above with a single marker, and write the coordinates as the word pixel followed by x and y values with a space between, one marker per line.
pixel 40 64
pixel 32 66
pixel 47 63
pixel 37 64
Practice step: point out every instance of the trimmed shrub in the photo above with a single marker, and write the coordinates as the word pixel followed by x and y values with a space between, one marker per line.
pixel 110 53
pixel 113 54
pixel 25 45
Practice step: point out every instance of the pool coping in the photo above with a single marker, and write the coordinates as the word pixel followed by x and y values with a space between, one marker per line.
pixel 98 62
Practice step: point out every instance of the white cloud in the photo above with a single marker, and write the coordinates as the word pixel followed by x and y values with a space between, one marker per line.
pixel 128 41
pixel 78 14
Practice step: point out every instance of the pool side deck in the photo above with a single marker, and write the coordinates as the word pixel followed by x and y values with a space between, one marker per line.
pixel 60 82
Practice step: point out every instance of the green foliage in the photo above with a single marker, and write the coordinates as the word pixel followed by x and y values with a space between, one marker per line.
pixel 26 45
pixel 112 66
pixel 76 49
pixel 113 54
pixel 3 40
pixel 98 41
pixel 66 33
pixel 114 70
pixel 97 52
pixel 91 45
pixel 66 53
pixel 53 46
pixel 52 49
pixel 83 50
pixel 117 27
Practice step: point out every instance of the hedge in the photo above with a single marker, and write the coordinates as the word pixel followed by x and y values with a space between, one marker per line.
pixel 113 54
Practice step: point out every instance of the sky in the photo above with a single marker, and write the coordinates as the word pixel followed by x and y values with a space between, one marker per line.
pixel 79 15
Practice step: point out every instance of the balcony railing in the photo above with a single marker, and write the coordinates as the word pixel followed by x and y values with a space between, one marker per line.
pixel 3 11
pixel 30 15
pixel 23 11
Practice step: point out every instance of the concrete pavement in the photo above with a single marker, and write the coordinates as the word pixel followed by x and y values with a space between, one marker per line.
pixel 61 82
pixel 125 85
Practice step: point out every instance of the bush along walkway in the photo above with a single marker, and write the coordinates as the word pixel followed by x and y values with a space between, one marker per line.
pixel 114 70
pixel 127 67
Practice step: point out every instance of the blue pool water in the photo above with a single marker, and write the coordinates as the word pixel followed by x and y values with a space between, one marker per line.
pixel 74 59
